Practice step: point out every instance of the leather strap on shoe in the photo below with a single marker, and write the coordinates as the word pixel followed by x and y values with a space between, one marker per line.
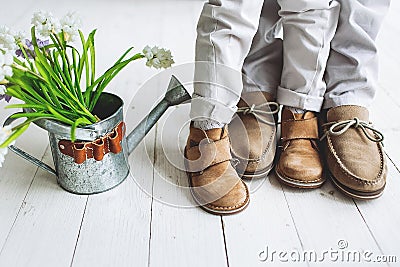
pixel 300 129
pixel 207 154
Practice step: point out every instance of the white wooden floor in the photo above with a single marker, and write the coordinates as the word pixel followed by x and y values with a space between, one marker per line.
pixel 148 221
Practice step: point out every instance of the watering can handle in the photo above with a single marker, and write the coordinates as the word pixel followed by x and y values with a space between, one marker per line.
pixel 27 156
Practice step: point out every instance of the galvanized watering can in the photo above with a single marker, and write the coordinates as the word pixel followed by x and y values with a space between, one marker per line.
pixel 99 160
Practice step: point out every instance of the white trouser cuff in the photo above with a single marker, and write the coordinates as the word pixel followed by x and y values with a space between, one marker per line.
pixel 288 97
pixel 268 88
pixel 210 109
pixel 361 97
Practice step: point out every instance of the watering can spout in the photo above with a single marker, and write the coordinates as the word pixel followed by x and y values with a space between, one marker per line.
pixel 175 95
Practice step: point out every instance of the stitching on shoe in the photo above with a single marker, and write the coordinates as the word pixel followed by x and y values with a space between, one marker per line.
pixel 299 137
pixel 231 207
pixel 348 174
pixel 290 120
pixel 228 207
pixel 296 180
pixel 263 155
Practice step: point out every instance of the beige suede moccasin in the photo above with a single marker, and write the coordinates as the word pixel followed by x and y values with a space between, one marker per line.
pixel 253 135
pixel 354 153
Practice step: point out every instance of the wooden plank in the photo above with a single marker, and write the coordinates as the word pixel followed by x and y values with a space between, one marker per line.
pixel 181 233
pixel 382 216
pixel 115 229
pixel 324 216
pixel 265 226
pixel 47 226
pixel 383 121
pixel 116 226
pixel 16 177
pixel 126 239
pixel 111 42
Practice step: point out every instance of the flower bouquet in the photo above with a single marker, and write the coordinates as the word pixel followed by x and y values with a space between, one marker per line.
pixel 53 78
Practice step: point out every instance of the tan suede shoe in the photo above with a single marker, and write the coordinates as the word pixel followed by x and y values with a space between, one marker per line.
pixel 354 153
pixel 214 183
pixel 300 164
pixel 253 135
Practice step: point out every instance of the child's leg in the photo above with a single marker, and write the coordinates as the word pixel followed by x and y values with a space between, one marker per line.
pixel 224 34
pixel 308 27
pixel 354 153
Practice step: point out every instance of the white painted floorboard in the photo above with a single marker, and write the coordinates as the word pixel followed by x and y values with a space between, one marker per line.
pixel 149 219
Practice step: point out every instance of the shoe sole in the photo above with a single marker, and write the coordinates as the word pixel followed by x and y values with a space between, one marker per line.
pixel 255 175
pixel 218 212
pixel 356 194
pixel 294 184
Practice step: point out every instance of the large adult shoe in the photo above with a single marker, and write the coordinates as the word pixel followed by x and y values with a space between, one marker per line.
pixel 214 183
pixel 253 135
pixel 354 153
pixel 299 163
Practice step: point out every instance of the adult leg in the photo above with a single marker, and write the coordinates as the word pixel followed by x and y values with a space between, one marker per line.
pixel 253 130
pixel 354 152
pixel 263 65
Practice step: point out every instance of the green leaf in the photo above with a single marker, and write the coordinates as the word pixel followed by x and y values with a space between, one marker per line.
pixel 58 116
pixel 92 56
pixel 109 75
pixel 34 106
pixel 32 115
pixel 80 121
pixel 14 136
pixel 77 79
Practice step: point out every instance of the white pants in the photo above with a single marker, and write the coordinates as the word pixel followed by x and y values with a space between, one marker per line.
pixel 327 56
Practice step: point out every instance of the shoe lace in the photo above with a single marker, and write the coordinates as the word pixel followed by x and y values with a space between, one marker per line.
pixel 338 128
pixel 259 111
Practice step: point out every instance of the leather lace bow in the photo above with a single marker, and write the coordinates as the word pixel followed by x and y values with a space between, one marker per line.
pixel 259 111
pixel 338 128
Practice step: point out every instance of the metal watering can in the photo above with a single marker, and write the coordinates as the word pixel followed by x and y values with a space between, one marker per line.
pixel 99 160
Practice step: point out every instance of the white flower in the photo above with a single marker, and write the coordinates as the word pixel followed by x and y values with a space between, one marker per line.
pixel 19 37
pixel 158 57
pixel 45 23
pixel 7 41
pixel 148 53
pixel 2 89
pixel 70 24
pixel 6 60
pixel 5 132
